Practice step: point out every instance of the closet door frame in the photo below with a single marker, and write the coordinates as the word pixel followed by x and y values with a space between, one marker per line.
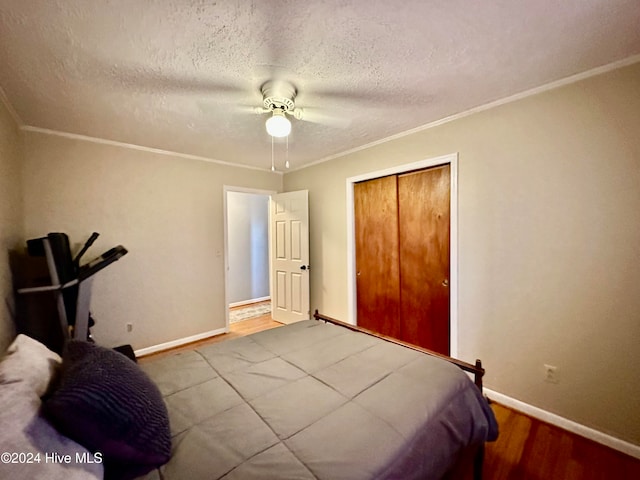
pixel 452 161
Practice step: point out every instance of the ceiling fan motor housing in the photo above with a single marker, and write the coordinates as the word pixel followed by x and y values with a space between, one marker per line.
pixel 278 94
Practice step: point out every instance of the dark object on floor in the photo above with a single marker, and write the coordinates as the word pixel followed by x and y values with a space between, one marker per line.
pixel 127 351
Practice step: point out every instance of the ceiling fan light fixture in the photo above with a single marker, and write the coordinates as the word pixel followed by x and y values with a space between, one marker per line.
pixel 278 125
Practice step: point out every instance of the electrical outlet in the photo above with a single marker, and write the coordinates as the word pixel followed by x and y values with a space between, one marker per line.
pixel 551 374
pixel 129 327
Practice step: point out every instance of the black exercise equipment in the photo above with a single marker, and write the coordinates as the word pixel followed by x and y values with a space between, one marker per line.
pixel 69 281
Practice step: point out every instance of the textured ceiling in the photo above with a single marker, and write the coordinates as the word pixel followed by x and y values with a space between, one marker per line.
pixel 182 75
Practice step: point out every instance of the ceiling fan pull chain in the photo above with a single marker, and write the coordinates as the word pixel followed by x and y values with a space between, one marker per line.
pixel 273 167
pixel 286 163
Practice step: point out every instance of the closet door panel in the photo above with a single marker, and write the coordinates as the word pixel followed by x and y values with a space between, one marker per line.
pixel 424 211
pixel 377 266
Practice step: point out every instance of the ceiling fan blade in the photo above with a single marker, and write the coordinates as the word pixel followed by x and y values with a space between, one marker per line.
pixel 251 109
pixel 149 78
pixel 157 80
pixel 275 17
pixel 375 96
pixel 315 115
pixel 214 108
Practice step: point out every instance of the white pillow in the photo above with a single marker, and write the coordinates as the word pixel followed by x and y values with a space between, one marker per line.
pixel 25 373
pixel 29 364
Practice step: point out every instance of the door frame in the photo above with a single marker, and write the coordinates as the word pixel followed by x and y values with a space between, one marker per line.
pixel 452 160
pixel 225 189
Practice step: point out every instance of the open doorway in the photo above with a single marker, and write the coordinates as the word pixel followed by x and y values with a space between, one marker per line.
pixel 246 254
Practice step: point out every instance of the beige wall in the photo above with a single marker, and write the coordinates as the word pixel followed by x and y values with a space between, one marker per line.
pixel 167 211
pixel 549 243
pixel 10 217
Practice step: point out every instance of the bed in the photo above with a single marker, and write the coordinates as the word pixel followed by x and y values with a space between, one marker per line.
pixel 317 399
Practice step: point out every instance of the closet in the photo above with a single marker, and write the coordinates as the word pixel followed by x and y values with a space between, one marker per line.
pixel 402 231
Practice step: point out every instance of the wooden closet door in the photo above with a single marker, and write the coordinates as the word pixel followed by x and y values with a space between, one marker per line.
pixel 377 267
pixel 424 211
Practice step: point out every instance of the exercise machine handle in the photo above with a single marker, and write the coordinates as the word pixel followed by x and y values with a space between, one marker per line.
pixel 88 243
pixel 104 260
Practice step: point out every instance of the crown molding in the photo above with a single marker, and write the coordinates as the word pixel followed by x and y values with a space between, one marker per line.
pixel 487 106
pixel 4 100
pixel 131 146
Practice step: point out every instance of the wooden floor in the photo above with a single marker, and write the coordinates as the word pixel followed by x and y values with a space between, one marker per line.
pixel 238 329
pixel 530 449
pixel 527 449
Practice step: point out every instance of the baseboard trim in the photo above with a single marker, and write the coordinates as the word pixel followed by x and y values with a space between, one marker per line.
pixel 564 423
pixel 178 343
pixel 249 302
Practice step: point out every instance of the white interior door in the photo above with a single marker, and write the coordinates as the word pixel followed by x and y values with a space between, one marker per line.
pixel 289 246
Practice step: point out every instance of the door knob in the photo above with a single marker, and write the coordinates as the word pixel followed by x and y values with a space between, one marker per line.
pixel 305 267
pixel 445 283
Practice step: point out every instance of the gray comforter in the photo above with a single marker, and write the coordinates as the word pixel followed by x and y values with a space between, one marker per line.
pixel 314 400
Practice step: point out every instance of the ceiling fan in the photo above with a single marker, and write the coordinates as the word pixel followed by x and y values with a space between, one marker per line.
pixel 278 99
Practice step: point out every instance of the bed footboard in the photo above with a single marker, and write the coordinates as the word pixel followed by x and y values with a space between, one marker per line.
pixel 476 370
pixel 475 466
